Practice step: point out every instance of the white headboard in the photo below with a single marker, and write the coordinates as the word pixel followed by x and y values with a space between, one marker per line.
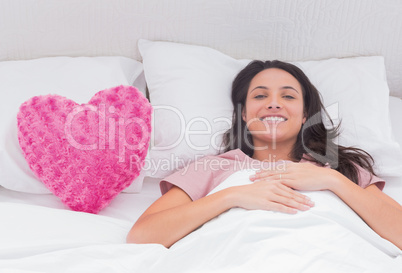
pixel 289 30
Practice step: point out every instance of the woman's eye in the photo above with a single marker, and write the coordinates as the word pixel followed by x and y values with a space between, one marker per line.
pixel 288 97
pixel 259 96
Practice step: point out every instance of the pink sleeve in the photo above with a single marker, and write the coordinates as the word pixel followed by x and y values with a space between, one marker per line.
pixel 366 179
pixel 194 179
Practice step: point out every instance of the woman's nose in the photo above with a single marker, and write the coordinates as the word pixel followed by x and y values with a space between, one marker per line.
pixel 274 104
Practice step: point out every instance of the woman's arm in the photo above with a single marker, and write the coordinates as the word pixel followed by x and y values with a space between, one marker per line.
pixel 174 215
pixel 378 210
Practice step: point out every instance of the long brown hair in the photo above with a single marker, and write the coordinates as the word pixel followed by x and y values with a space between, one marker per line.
pixel 315 141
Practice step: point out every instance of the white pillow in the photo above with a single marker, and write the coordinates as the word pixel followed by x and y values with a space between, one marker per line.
pixel 189 87
pixel 76 78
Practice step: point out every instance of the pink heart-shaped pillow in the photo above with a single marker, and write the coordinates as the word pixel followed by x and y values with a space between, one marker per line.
pixel 86 154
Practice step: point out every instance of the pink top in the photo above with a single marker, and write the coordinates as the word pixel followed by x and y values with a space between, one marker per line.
pixel 200 177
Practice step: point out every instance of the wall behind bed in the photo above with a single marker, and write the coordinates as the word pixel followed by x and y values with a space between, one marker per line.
pixel 267 29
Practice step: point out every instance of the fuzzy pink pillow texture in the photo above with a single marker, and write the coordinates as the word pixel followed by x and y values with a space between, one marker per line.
pixel 86 154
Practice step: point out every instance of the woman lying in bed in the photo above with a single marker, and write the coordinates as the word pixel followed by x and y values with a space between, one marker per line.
pixel 277 125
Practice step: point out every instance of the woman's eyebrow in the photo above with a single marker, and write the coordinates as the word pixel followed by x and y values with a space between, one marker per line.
pixel 266 88
pixel 259 87
pixel 289 87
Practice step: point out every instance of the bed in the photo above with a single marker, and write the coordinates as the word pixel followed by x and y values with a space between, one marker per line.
pixel 178 58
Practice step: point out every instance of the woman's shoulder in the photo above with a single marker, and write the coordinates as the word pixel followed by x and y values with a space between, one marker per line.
pixel 366 178
pixel 204 174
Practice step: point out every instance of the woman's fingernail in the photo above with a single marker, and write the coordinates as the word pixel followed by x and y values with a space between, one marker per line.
pixel 252 177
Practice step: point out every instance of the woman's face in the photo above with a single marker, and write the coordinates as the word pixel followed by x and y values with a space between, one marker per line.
pixel 274 108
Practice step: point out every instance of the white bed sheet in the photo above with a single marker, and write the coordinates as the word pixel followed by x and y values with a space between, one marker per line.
pixel 328 238
pixel 38 234
pixel 126 206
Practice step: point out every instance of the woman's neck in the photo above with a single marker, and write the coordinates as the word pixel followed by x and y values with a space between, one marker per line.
pixel 273 154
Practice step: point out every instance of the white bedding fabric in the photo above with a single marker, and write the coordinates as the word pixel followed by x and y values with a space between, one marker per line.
pixel 328 238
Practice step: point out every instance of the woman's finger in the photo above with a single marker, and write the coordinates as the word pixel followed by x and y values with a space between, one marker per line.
pixel 263 174
pixel 283 181
pixel 290 193
pixel 292 203
pixel 273 206
pixel 279 193
pixel 293 198
pixel 286 202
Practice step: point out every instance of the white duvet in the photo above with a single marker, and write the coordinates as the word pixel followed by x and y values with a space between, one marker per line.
pixel 330 237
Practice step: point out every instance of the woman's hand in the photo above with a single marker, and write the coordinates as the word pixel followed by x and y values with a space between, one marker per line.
pixel 270 195
pixel 301 176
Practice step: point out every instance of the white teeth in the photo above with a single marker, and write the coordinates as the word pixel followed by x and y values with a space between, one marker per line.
pixel 273 119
